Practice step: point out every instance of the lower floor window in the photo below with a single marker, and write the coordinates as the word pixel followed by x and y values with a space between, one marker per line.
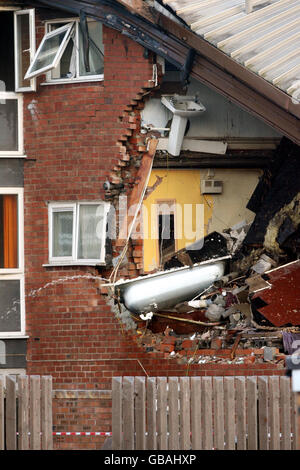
pixel 12 317
pixel 77 232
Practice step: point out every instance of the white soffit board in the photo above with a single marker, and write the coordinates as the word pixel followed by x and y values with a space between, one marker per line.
pixel 262 35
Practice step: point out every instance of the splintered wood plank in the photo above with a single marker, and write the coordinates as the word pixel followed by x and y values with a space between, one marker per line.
pixel 140 413
pixel 196 419
pixel 137 193
pixel 252 412
pixel 162 437
pixel 229 397
pixel 46 410
pixel 218 393
pixel 128 413
pixel 23 412
pixel 117 413
pixel 185 418
pixel 2 443
pixel 35 412
pixel 173 414
pixel 274 413
pixel 241 412
pixel 207 413
pixel 11 414
pixel 151 413
pixel 263 415
pixel 285 412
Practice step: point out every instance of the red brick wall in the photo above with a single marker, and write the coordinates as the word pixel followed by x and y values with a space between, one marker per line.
pixel 72 142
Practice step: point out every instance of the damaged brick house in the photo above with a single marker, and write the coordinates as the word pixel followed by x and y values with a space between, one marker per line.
pixel 81 130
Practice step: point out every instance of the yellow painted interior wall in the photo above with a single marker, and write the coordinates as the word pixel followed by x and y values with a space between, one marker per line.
pixel 182 186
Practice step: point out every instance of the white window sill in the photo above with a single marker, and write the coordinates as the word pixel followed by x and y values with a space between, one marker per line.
pixel 74 263
pixel 12 336
pixel 67 81
pixel 13 156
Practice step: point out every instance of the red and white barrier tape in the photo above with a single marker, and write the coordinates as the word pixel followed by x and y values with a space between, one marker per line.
pixel 81 433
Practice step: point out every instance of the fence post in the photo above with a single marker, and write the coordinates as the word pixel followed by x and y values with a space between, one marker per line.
pixel 252 412
pixel 47 438
pixel 229 396
pixel 23 413
pixel 218 413
pixel 162 438
pixel 128 413
pixel 196 419
pixel 35 413
pixel 185 427
pixel 140 413
pixel 263 413
pixel 173 414
pixel 285 411
pixel 207 413
pixel 2 413
pixel 11 414
pixel 151 413
pixel 274 413
pixel 117 413
pixel 241 413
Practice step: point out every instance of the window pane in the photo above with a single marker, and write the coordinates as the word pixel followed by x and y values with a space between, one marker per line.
pixel 66 67
pixel 8 231
pixel 96 50
pixel 90 231
pixel 7 68
pixel 23 25
pixel 62 233
pixel 10 318
pixel 8 125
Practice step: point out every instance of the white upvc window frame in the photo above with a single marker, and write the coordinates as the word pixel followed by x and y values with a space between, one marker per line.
pixel 75 208
pixel 7 274
pixel 78 78
pixel 10 95
pixel 67 29
pixel 32 41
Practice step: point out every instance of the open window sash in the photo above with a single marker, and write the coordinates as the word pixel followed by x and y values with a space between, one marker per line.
pixel 50 51
pixel 24 39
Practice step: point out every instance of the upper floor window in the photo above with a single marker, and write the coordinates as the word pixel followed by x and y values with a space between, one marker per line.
pixel 17 46
pixel 67 53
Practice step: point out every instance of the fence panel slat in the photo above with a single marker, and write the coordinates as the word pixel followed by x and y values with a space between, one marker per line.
pixel 241 413
pixel 2 437
pixel 151 413
pixel 35 412
pixel 185 417
pixel 251 388
pixel 23 412
pixel 140 413
pixel 263 423
pixel 218 393
pixel 162 437
pixel 274 413
pixel 128 413
pixel 117 413
pixel 207 413
pixel 173 414
pixel 11 414
pixel 229 397
pixel 46 412
pixel 196 421
pixel 285 413
pixel 295 402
